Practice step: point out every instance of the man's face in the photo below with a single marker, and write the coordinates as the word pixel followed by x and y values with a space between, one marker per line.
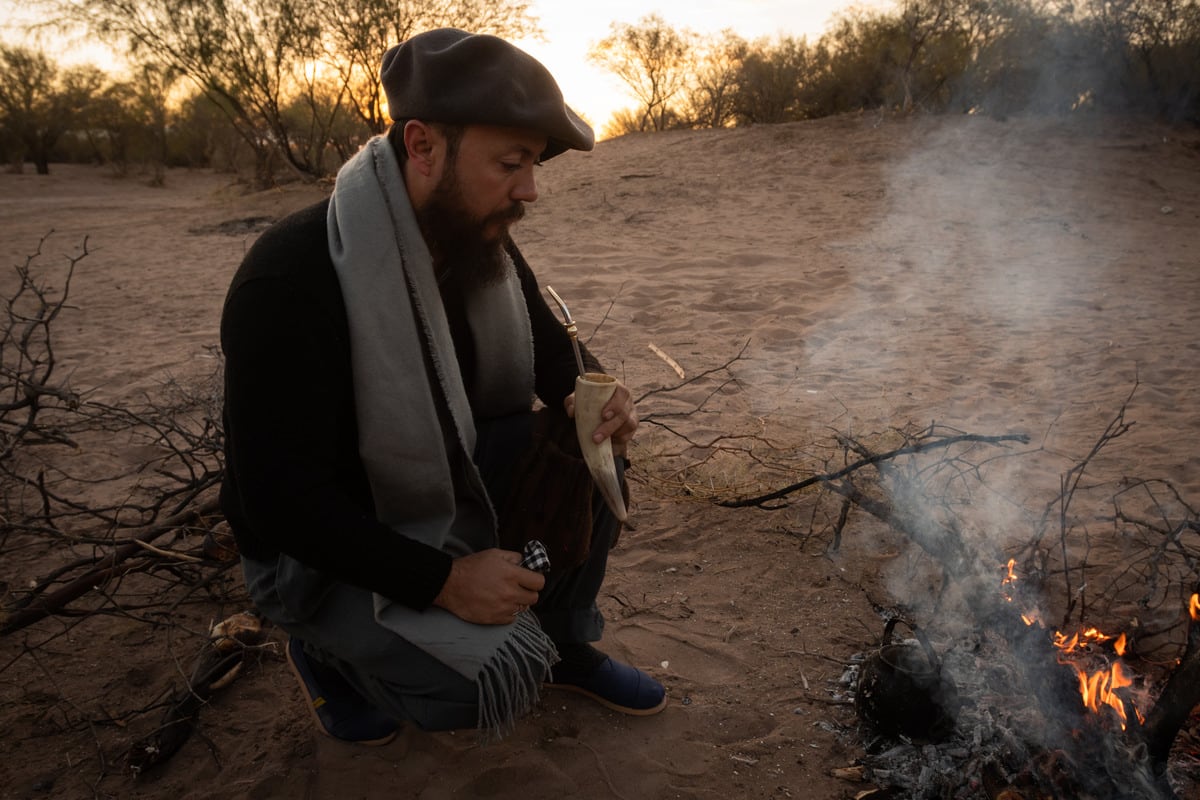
pixel 481 192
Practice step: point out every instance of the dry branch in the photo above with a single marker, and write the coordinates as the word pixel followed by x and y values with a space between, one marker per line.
pixel 38 604
pixel 922 445
pixel 104 504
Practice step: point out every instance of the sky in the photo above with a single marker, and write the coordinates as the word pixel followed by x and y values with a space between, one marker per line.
pixel 571 29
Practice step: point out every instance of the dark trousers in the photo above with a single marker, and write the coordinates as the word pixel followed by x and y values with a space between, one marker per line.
pixel 394 674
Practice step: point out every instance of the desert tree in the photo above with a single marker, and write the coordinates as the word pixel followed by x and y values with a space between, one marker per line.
pixel 358 32
pixel 850 62
pixel 1006 44
pixel 153 85
pixel 111 128
pixel 26 101
pixel 39 102
pixel 905 60
pixel 714 82
pixel 922 53
pixel 129 122
pixel 772 81
pixel 244 56
pixel 622 122
pixel 1158 44
pixel 263 61
pixel 654 60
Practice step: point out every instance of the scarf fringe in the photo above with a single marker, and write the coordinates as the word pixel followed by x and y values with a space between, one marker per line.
pixel 510 681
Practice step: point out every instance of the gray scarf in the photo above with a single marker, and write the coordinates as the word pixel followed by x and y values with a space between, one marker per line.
pixel 415 422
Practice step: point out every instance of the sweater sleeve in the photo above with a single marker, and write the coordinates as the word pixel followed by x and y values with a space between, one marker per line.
pixel 294 482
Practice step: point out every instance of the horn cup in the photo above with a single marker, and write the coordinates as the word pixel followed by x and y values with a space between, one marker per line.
pixel 592 391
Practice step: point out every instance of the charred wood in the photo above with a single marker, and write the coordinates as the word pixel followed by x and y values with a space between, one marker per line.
pixel 1179 696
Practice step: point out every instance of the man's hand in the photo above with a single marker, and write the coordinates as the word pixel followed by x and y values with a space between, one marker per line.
pixel 489 587
pixel 619 419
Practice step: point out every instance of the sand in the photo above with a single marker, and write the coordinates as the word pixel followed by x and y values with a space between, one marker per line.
pixel 854 275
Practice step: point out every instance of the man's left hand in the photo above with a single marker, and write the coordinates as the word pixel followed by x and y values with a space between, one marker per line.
pixel 619 419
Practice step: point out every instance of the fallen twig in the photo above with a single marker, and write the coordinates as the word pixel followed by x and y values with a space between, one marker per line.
pixel 921 446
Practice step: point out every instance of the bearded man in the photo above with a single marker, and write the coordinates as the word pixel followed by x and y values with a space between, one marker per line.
pixel 383 353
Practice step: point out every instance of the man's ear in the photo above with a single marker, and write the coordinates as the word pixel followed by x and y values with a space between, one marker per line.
pixel 421 141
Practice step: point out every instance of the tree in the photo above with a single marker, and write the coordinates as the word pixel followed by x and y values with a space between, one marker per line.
pixel 771 82
pixel 153 85
pixel 1158 43
pixel 654 60
pixel 359 32
pixel 243 55
pixel 850 62
pixel 283 72
pixel 112 126
pixel 714 83
pixel 39 102
pixel 922 23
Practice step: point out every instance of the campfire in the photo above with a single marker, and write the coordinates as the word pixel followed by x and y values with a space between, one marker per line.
pixel 1045 714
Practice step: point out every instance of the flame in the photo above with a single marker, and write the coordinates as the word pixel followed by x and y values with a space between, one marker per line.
pixel 1009 578
pixel 1194 607
pixel 1085 638
pixel 1031 617
pixel 1099 688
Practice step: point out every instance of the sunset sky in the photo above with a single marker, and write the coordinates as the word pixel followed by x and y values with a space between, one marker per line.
pixel 572 28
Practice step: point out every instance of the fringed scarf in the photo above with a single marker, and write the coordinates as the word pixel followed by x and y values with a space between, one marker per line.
pixel 415 425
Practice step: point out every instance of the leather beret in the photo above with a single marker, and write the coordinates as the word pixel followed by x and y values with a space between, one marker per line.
pixel 448 75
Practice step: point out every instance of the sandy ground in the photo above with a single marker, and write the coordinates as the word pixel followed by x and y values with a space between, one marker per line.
pixel 855 275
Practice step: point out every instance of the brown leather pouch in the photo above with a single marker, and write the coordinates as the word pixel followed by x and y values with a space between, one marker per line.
pixel 551 495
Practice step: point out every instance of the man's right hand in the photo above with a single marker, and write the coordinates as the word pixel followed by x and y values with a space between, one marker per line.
pixel 489 587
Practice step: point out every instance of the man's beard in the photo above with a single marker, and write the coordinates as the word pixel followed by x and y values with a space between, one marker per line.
pixel 458 241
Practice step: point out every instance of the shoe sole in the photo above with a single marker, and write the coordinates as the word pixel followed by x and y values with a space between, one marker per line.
pixel 316 718
pixel 632 712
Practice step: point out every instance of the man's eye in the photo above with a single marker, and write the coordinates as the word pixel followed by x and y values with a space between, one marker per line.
pixel 511 167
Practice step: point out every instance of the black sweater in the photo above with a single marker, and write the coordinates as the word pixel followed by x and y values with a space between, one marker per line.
pixel 294 483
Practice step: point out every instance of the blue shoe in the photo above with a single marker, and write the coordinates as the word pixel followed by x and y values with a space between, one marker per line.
pixel 615 685
pixel 339 711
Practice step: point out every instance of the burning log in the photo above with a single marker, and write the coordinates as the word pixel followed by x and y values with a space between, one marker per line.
pixel 1179 696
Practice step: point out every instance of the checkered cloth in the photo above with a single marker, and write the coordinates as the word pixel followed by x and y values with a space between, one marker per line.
pixel 535 556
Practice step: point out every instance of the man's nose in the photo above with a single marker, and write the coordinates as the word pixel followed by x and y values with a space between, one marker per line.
pixel 525 190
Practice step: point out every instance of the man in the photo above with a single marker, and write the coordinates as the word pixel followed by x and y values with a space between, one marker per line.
pixel 383 350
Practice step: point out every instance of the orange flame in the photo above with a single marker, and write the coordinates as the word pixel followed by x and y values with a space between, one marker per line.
pixel 1194 607
pixel 1032 617
pixel 1098 688
pixel 1010 577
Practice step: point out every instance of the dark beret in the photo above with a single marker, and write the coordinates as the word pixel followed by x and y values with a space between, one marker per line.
pixel 448 75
